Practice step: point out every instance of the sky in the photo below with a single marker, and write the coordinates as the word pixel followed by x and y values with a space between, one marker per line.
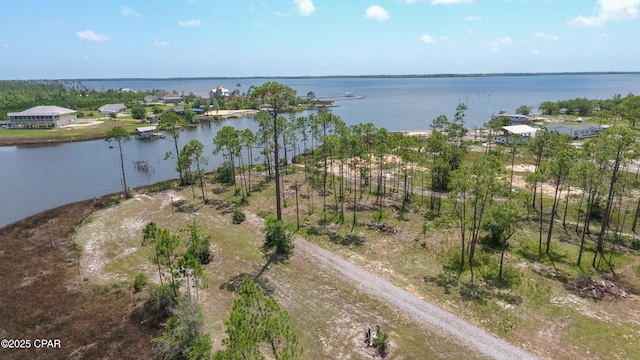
pixel 82 39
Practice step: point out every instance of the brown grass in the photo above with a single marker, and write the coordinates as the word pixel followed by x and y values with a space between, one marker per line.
pixel 42 296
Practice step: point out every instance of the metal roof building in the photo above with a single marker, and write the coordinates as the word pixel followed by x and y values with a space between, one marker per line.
pixel 112 108
pixel 47 116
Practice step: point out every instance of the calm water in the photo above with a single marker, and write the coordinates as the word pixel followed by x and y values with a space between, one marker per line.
pixel 36 178
pixel 399 104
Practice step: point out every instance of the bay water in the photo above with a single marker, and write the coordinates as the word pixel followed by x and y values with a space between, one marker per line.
pixel 37 178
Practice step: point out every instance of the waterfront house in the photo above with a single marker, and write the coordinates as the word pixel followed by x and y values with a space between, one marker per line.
pixel 47 116
pixel 178 110
pixel 526 132
pixel 167 97
pixel 515 118
pixel 576 131
pixel 218 91
pixel 150 98
pixel 112 109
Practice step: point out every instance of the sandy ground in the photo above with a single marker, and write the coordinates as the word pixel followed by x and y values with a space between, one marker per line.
pixel 82 124
pixel 225 114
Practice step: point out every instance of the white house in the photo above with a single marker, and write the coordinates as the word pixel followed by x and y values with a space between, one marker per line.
pixel 576 131
pixel 515 118
pixel 218 91
pixel 525 131
pixel 47 116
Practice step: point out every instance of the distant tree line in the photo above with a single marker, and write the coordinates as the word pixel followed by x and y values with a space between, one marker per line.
pixel 627 107
pixel 19 95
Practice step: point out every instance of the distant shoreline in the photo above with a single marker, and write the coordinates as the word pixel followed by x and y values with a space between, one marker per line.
pixel 402 76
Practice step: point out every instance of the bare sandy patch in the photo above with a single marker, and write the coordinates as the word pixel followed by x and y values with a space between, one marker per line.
pixel 81 124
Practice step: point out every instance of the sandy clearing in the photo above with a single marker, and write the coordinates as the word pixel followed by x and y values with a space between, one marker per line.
pixel 414 307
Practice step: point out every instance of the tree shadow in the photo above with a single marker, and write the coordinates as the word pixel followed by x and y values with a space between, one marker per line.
pixel 445 280
pixel 449 277
pixel 475 292
pixel 234 283
pixel 346 240
pixel 528 255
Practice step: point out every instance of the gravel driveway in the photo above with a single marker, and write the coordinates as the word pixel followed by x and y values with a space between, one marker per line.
pixel 419 310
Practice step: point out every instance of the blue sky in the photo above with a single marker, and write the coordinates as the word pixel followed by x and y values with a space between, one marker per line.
pixel 63 39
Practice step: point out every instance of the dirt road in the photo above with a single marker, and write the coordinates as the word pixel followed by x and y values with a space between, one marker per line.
pixel 475 338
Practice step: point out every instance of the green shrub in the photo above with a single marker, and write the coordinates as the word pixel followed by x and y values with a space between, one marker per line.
pixel 159 304
pixel 263 213
pixel 139 282
pixel 278 237
pixel 381 342
pixel 238 216
pixel 164 185
pixel 224 174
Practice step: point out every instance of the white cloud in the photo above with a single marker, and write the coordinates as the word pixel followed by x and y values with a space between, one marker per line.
pixel 89 35
pixel 542 35
pixel 472 18
pixel 376 12
pixel 534 51
pixel 160 42
pixel 609 10
pixel 282 14
pixel 5 46
pixel 441 2
pixel 129 12
pixel 192 22
pixel 498 43
pixel 305 7
pixel 428 39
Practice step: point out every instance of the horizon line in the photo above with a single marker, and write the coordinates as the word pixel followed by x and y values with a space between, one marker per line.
pixel 443 75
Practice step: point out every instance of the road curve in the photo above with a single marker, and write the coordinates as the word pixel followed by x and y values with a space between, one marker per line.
pixel 466 333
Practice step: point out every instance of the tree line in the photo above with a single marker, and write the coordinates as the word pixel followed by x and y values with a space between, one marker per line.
pixel 18 95
pixel 617 107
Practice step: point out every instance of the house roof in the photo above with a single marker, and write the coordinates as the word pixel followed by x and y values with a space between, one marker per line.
pixel 112 107
pixel 164 94
pixel 520 129
pixel 45 110
pixel 146 129
pixel 574 127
